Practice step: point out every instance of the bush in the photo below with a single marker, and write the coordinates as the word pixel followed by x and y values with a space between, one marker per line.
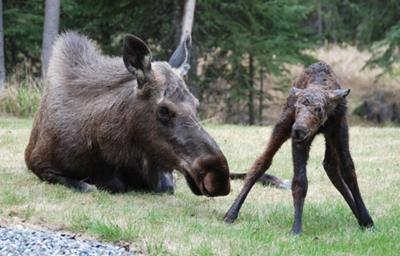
pixel 21 96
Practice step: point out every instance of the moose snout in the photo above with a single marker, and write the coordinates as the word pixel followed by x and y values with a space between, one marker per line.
pixel 214 180
pixel 300 133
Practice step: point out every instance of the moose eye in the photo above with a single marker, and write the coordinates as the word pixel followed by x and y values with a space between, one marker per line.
pixel 318 110
pixel 306 102
pixel 164 114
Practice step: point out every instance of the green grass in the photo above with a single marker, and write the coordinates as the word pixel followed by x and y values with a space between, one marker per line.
pixel 185 224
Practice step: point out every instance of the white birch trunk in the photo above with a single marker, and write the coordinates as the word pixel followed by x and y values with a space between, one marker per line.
pixel 50 31
pixel 187 20
pixel 2 66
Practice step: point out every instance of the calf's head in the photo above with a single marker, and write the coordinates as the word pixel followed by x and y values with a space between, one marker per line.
pixel 165 120
pixel 313 106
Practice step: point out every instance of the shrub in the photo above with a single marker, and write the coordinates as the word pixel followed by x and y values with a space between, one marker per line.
pixel 21 96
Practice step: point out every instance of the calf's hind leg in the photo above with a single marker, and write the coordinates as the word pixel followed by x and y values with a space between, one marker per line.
pixel 349 175
pixel 331 166
pixel 265 180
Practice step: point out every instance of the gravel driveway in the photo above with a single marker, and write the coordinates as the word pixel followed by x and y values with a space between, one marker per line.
pixel 16 241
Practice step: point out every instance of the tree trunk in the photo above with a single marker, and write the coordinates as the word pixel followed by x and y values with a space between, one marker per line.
pixel 50 31
pixel 261 98
pixel 176 21
pixel 319 19
pixel 186 29
pixel 250 103
pixel 187 20
pixel 2 66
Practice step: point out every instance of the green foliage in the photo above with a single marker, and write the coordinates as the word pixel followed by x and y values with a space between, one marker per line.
pixel 235 42
pixel 380 27
pixel 368 24
pixel 23 26
pixel 274 31
pixel 231 33
pixel 107 21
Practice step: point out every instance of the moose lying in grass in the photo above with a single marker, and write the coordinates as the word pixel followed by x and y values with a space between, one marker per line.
pixel 122 124
pixel 315 105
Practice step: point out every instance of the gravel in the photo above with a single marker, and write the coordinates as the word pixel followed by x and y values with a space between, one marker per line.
pixel 16 241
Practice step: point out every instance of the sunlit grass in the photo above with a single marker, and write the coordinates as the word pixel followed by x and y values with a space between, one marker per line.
pixel 185 224
pixel 22 93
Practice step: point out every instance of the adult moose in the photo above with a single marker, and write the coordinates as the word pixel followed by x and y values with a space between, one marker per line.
pixel 315 105
pixel 121 123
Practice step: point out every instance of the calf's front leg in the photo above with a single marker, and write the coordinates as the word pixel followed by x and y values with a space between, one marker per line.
pixel 279 135
pixel 300 183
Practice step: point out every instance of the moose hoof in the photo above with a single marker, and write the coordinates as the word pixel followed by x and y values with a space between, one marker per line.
pixel 286 184
pixel 369 224
pixel 87 188
pixel 229 218
pixel 296 232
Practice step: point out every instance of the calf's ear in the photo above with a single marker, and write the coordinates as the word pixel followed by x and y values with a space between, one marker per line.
pixel 137 58
pixel 340 93
pixel 180 58
pixel 295 91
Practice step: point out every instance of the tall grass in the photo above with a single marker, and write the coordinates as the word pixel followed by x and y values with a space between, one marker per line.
pixel 349 63
pixel 21 96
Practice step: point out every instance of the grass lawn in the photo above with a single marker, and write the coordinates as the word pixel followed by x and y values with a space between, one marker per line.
pixel 185 224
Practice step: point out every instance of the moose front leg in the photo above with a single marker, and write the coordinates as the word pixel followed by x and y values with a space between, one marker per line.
pixel 55 176
pixel 279 135
pixel 165 183
pixel 349 175
pixel 299 184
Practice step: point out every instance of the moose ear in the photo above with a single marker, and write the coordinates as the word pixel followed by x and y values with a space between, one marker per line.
pixel 180 58
pixel 137 58
pixel 295 91
pixel 340 93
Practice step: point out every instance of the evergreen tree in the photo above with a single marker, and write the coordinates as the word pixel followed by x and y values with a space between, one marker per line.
pixel 246 35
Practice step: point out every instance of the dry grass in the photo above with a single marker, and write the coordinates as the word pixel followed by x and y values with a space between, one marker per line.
pixel 185 224
pixel 22 94
pixel 348 62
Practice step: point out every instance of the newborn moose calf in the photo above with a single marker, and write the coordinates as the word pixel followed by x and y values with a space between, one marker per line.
pixel 315 105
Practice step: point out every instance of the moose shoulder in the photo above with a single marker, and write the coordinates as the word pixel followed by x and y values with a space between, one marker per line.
pixel 121 124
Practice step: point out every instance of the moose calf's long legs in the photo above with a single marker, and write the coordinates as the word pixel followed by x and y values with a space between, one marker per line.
pixel 349 175
pixel 280 134
pixel 299 184
pixel 332 168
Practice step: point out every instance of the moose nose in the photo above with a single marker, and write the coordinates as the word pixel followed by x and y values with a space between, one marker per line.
pixel 300 133
pixel 216 182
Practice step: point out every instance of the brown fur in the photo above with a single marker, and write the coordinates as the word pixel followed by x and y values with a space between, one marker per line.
pixel 316 104
pixel 99 124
